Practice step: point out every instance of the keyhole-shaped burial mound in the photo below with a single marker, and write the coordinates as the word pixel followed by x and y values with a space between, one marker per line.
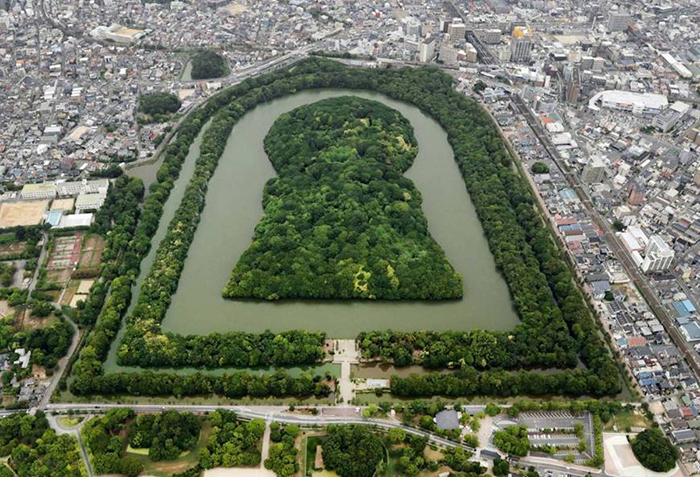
pixel 340 219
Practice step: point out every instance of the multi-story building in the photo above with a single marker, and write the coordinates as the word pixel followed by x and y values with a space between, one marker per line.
pixel 520 44
pixel 594 171
pixel 448 55
pixel 457 30
pixel 658 255
pixel 635 193
pixel 427 50
pixel 491 36
pixel 618 21
pixel 470 53
pixel 86 202
pixel 667 120
pixel 44 190
pixel 412 27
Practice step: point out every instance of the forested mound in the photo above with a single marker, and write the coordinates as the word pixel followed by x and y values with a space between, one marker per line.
pixel 341 221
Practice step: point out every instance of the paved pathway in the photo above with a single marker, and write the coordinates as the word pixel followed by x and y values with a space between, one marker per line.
pixel 346 354
pixel 265 446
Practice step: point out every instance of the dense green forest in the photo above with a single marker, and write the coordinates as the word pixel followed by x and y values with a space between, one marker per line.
pixel 352 451
pixel 159 103
pixel 34 450
pixel 232 443
pixel 208 64
pixel 555 320
pixel 654 451
pixel 341 221
pixel 283 454
pixel 166 435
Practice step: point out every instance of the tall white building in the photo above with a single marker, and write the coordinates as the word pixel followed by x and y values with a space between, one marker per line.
pixel 594 171
pixel 427 50
pixel 658 255
pixel 520 44
pixel 412 27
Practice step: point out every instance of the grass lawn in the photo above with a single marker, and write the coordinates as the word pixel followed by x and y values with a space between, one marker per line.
pixel 166 468
pixel 626 420
pixel 69 422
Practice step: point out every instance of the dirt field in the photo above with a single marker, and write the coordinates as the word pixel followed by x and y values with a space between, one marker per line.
pixel 62 204
pixel 58 276
pixel 91 253
pixel 5 310
pixel 29 212
pixel 27 322
pixel 12 248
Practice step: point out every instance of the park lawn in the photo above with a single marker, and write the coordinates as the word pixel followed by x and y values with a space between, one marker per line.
pixel 627 419
pixel 69 422
pixel 166 468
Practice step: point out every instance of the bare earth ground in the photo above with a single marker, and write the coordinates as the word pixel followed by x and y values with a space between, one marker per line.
pixel 12 248
pixel 91 253
pixel 5 309
pixel 29 212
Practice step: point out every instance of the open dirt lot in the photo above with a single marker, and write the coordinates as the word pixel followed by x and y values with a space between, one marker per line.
pixel 30 212
pixel 91 253
pixel 62 204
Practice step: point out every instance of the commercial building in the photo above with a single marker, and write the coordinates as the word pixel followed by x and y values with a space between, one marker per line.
pixel 457 30
pixel 641 104
pixel 470 53
pixel 658 255
pixel 594 171
pixel 677 66
pixel 667 120
pixel 491 36
pixel 412 27
pixel 117 34
pixel 448 55
pixel 618 21
pixel 520 44
pixel 427 50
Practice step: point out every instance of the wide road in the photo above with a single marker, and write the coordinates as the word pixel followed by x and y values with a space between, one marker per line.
pixel 326 416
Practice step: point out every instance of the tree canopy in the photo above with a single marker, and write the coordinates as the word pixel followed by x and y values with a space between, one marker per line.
pixel 341 221
pixel 207 64
pixel 352 451
pixel 159 103
pixel 654 451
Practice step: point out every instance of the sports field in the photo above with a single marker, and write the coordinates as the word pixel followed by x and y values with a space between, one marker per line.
pixel 29 212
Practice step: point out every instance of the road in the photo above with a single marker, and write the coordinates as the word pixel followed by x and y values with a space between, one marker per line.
pixel 74 431
pixel 687 351
pixel 39 263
